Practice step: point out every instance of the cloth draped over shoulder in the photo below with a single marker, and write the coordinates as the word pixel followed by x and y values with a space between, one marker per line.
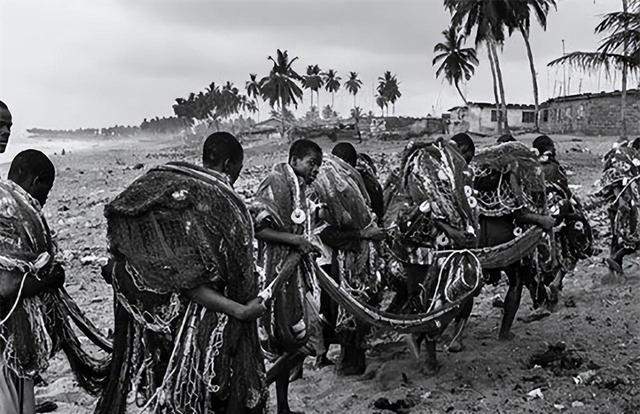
pixel 280 203
pixel 433 188
pixel 177 227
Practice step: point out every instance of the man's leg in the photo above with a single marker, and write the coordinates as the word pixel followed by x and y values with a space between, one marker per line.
pixel 329 310
pixel 511 303
pixel 16 394
pixel 282 395
pixel 460 322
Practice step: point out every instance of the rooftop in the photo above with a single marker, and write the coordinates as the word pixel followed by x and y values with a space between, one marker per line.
pixel 590 95
pixel 493 105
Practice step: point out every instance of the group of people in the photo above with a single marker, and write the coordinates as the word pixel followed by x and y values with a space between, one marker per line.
pixel 208 285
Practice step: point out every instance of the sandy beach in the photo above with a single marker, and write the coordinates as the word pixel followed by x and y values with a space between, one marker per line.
pixel 600 323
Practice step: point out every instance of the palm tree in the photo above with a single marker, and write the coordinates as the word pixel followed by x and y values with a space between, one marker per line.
pixel 458 63
pixel 280 87
pixel 489 20
pixel 381 101
pixel 252 86
pixel 619 50
pixel 389 89
pixel 313 81
pixel 353 85
pixel 521 21
pixel 332 83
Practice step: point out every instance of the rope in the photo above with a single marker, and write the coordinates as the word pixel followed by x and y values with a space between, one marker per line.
pixel 28 268
pixel 631 181
pixel 15 303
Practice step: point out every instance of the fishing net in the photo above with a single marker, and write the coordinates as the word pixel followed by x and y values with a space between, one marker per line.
pixel 175 228
pixel 26 251
pixel 456 278
pixel 280 203
pixel 508 177
pixel 433 199
pixel 340 188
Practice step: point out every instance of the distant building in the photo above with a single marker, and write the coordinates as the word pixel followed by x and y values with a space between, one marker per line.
pixel 482 117
pixel 590 114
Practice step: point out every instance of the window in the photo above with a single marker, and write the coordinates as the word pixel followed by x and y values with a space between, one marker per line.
pixel 545 115
pixel 528 117
pixel 494 115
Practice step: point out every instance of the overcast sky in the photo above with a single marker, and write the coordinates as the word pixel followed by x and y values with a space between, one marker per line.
pixel 81 63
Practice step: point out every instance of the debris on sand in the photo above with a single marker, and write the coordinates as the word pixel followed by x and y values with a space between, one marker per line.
pixel 537 393
pixel 560 360
pixel 401 406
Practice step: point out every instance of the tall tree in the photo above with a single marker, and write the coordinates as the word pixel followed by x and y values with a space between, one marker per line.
pixel 619 50
pixel 488 18
pixel 382 103
pixel 353 85
pixel 252 86
pixel 521 20
pixel 313 81
pixel 332 83
pixel 457 62
pixel 280 88
pixel 389 89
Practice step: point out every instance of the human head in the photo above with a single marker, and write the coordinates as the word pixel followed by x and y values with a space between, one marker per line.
pixel 34 172
pixel 223 153
pixel 506 138
pixel 635 144
pixel 305 157
pixel 465 145
pixel 544 144
pixel 346 152
pixel 5 126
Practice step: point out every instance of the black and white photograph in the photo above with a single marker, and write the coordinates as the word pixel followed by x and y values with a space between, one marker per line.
pixel 317 207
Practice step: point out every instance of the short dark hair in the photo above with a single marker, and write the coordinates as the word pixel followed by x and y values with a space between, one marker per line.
pixel 347 152
pixel 635 144
pixel 3 106
pixel 506 138
pixel 303 147
pixel 221 146
pixel 463 139
pixel 543 143
pixel 32 163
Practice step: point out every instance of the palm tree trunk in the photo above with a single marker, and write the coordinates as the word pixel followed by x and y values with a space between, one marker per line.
pixel 311 90
pixel 623 96
pixel 354 101
pixel 495 86
pixel 461 95
pixel 333 95
pixel 503 102
pixel 282 126
pixel 534 76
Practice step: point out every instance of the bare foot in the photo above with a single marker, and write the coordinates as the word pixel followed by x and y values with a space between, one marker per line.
pixel 322 361
pixel 455 347
pixel 506 336
pixel 536 315
pixel 430 370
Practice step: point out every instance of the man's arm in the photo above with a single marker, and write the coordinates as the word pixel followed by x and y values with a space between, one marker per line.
pixel 298 241
pixel 527 217
pixel 217 302
pixel 54 280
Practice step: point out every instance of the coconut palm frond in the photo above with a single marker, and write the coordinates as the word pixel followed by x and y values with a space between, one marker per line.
pixel 592 62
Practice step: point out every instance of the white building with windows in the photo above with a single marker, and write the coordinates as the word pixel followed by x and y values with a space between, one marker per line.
pixel 482 118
